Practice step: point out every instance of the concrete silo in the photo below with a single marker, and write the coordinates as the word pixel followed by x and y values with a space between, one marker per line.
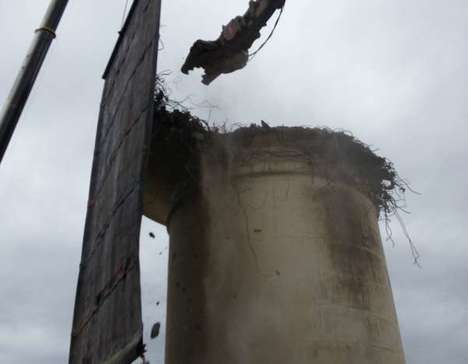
pixel 275 250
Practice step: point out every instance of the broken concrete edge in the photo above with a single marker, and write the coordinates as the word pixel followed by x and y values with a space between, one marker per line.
pixel 180 138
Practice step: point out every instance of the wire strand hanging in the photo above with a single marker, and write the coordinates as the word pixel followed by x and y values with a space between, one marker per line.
pixel 252 55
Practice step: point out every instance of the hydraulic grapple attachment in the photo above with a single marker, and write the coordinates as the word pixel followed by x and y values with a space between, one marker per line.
pixel 230 52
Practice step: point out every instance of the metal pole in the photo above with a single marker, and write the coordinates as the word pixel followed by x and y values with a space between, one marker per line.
pixel 24 83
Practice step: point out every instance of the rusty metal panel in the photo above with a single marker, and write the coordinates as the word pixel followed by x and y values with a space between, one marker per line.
pixel 107 324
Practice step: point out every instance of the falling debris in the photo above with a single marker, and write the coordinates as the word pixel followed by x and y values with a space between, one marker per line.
pixel 155 330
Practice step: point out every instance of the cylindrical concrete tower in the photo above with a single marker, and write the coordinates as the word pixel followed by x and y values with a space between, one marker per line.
pixel 276 256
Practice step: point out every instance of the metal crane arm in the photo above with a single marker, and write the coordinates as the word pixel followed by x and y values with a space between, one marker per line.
pixel 229 52
pixel 28 73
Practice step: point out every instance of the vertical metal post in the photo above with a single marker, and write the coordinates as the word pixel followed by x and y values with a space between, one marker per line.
pixel 24 83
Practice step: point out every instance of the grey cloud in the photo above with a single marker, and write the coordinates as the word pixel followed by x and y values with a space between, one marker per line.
pixel 393 73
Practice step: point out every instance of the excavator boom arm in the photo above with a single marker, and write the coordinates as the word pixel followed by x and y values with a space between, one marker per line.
pixel 230 52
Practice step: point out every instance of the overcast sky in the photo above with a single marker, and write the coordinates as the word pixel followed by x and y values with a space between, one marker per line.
pixel 394 73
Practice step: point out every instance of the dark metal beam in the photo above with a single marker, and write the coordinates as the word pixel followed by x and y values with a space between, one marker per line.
pixel 107 323
pixel 27 75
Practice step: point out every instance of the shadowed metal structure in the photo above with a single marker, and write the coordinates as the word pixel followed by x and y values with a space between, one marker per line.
pixel 27 75
pixel 107 325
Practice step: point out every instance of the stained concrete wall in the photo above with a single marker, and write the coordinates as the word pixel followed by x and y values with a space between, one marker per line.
pixel 277 259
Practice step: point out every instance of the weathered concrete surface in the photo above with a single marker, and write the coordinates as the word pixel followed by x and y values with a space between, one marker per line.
pixel 276 259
